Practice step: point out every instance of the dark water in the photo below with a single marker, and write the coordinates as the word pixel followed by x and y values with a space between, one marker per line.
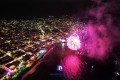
pixel 47 69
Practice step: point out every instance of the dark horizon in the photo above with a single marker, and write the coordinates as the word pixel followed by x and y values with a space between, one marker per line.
pixel 43 8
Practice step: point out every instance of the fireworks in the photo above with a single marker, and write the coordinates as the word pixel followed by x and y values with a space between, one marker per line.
pixel 73 42
pixel 26 45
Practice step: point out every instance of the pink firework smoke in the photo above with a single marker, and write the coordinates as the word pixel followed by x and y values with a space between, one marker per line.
pixel 98 44
pixel 73 42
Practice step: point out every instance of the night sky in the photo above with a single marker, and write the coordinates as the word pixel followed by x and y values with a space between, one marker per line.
pixel 44 8
pixel 41 8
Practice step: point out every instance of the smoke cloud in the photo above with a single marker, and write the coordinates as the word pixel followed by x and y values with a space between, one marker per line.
pixel 103 29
